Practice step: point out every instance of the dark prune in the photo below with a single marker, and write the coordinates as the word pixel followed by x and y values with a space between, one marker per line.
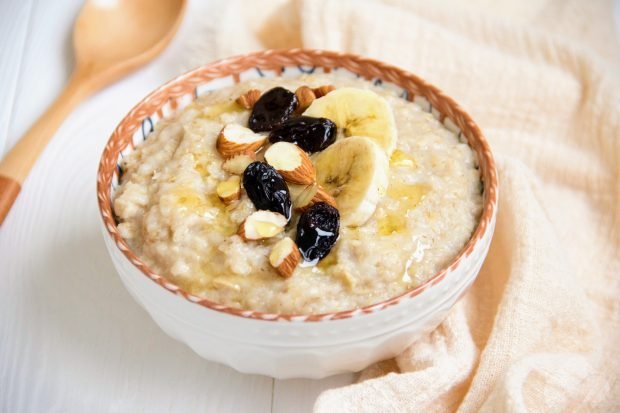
pixel 266 188
pixel 273 108
pixel 317 231
pixel 310 134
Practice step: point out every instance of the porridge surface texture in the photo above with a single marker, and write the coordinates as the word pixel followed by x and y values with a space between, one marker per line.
pixel 170 215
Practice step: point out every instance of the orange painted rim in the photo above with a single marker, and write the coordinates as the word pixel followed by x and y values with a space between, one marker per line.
pixel 275 60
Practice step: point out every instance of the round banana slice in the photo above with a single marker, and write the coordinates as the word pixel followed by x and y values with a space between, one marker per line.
pixel 355 172
pixel 358 112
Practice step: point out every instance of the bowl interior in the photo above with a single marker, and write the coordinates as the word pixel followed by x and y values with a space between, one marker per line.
pixel 178 93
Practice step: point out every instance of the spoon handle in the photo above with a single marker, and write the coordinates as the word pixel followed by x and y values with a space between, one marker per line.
pixel 16 165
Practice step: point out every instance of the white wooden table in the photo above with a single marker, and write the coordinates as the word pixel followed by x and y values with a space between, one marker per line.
pixel 71 337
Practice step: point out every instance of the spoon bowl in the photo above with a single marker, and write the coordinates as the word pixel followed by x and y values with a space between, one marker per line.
pixel 111 39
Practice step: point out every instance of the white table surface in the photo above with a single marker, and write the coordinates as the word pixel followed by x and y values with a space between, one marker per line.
pixel 71 337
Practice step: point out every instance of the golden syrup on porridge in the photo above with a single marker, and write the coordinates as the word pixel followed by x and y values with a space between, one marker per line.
pixel 216 110
pixel 194 202
pixel 189 199
pixel 200 168
pixel 409 196
pixel 401 159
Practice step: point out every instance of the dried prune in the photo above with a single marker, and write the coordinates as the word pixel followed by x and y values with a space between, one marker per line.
pixel 317 231
pixel 266 189
pixel 310 134
pixel 273 108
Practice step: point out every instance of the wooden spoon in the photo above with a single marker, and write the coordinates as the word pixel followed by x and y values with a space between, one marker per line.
pixel 111 38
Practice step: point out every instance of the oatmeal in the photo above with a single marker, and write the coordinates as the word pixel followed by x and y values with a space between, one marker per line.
pixel 335 197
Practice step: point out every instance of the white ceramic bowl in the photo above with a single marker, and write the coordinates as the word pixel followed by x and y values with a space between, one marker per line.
pixel 285 345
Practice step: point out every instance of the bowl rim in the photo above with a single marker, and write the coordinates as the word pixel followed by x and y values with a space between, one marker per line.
pixel 276 59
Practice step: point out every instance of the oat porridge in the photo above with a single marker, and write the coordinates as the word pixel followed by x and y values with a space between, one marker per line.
pixel 305 195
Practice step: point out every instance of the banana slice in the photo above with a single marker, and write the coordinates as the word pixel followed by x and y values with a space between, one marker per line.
pixel 358 112
pixel 355 172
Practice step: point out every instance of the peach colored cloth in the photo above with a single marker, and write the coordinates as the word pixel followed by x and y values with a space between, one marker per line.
pixel 540 329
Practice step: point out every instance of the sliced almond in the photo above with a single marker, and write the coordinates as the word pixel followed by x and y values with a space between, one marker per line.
pixel 229 190
pixel 234 139
pixel 291 162
pixel 248 99
pixel 262 224
pixel 321 91
pixel 304 197
pixel 305 96
pixel 285 257
pixel 296 190
pixel 236 164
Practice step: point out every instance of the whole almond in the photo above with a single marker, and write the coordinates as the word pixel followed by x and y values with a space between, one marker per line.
pixel 237 163
pixel 234 139
pixel 262 224
pixel 285 257
pixel 292 162
pixel 248 99
pixel 321 91
pixel 229 190
pixel 305 96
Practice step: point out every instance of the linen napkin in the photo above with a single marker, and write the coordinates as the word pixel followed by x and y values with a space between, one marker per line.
pixel 539 330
